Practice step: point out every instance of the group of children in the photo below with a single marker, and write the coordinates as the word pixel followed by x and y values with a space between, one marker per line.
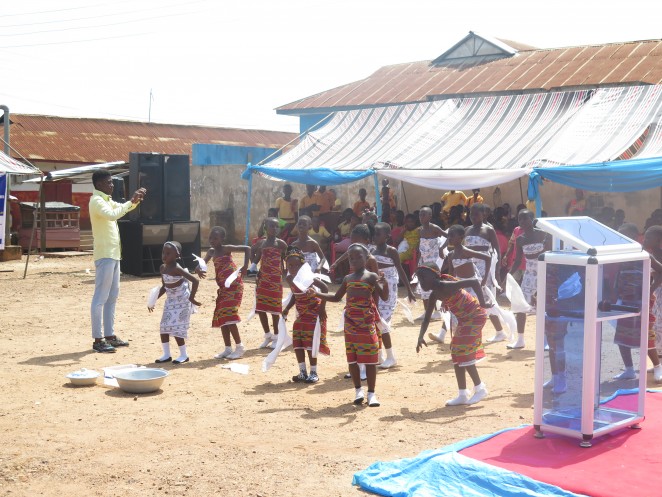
pixel 462 279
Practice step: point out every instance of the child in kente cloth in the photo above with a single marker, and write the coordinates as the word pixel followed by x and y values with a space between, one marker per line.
pixel 460 263
pixel 466 344
pixel 228 300
pixel 389 264
pixel 361 340
pixel 270 252
pixel 308 309
pixel 179 297
pixel 310 248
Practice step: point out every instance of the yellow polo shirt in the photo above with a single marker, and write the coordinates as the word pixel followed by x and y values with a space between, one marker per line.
pixel 104 213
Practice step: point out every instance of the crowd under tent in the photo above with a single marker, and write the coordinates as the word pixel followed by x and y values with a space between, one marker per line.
pixel 481 141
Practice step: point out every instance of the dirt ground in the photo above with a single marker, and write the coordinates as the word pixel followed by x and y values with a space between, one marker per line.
pixel 209 430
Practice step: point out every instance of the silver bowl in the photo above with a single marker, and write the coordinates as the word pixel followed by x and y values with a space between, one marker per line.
pixel 83 377
pixel 142 380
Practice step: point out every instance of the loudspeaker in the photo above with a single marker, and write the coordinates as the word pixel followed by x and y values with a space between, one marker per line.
pixel 177 188
pixel 167 181
pixel 142 245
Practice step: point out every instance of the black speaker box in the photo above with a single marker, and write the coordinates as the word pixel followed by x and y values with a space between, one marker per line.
pixel 167 181
pixel 142 245
pixel 176 188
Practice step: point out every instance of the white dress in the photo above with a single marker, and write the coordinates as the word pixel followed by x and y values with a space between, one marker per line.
pixel 177 309
pixel 429 250
pixel 386 307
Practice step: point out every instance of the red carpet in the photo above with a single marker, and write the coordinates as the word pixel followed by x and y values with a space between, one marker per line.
pixel 625 463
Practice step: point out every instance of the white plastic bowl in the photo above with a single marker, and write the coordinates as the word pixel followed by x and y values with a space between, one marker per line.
pixel 83 377
pixel 142 380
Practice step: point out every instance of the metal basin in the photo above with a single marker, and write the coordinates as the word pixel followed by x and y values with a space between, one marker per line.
pixel 83 377
pixel 141 380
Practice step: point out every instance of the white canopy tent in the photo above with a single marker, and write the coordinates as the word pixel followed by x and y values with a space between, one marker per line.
pixel 474 142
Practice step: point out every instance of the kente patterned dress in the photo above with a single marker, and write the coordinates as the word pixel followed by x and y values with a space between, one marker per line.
pixel 477 243
pixel 228 300
pixel 530 279
pixel 629 286
pixel 177 309
pixel 466 344
pixel 386 307
pixel 361 339
pixel 269 288
pixel 304 325
pixel 429 250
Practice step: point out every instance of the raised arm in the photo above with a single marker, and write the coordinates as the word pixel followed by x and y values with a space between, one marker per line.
pixel 337 297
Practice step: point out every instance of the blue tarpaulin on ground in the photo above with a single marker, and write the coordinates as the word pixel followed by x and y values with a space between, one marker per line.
pixel 445 472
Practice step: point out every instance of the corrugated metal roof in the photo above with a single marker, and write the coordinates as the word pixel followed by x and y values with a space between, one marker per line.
pixel 528 70
pixel 85 140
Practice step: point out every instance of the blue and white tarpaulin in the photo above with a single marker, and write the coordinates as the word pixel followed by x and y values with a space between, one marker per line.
pixel 474 142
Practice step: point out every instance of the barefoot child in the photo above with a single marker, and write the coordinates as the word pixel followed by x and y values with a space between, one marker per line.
pixel 389 263
pixel 310 248
pixel 361 340
pixel 529 245
pixel 179 297
pixel 270 252
pixel 466 345
pixel 308 308
pixel 228 300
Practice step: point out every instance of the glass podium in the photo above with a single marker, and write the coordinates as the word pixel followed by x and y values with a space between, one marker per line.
pixel 592 309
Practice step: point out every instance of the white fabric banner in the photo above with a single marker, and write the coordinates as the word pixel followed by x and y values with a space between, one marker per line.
pixel 446 179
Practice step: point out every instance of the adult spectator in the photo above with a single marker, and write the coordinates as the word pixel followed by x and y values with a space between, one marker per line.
pixel 476 198
pixel 311 203
pixel 451 199
pixel 327 199
pixel 104 213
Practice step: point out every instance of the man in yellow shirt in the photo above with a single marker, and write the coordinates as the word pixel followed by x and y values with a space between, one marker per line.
pixel 451 199
pixel 104 213
pixel 328 200
pixel 287 206
pixel 311 203
pixel 476 198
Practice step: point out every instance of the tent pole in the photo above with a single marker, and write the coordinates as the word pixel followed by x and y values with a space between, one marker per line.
pixel 378 200
pixel 34 226
pixel 248 208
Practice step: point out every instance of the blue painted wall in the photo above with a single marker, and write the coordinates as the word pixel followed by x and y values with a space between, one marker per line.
pixel 307 121
pixel 215 155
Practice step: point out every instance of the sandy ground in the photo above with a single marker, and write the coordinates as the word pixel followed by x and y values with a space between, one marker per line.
pixel 210 430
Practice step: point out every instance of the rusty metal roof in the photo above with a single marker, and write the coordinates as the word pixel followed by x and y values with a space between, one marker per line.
pixel 528 70
pixel 85 140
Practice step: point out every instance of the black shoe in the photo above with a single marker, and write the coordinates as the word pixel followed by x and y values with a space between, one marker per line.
pixel 312 378
pixel 251 274
pixel 177 361
pixel 160 361
pixel 103 346
pixel 116 342
pixel 300 378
